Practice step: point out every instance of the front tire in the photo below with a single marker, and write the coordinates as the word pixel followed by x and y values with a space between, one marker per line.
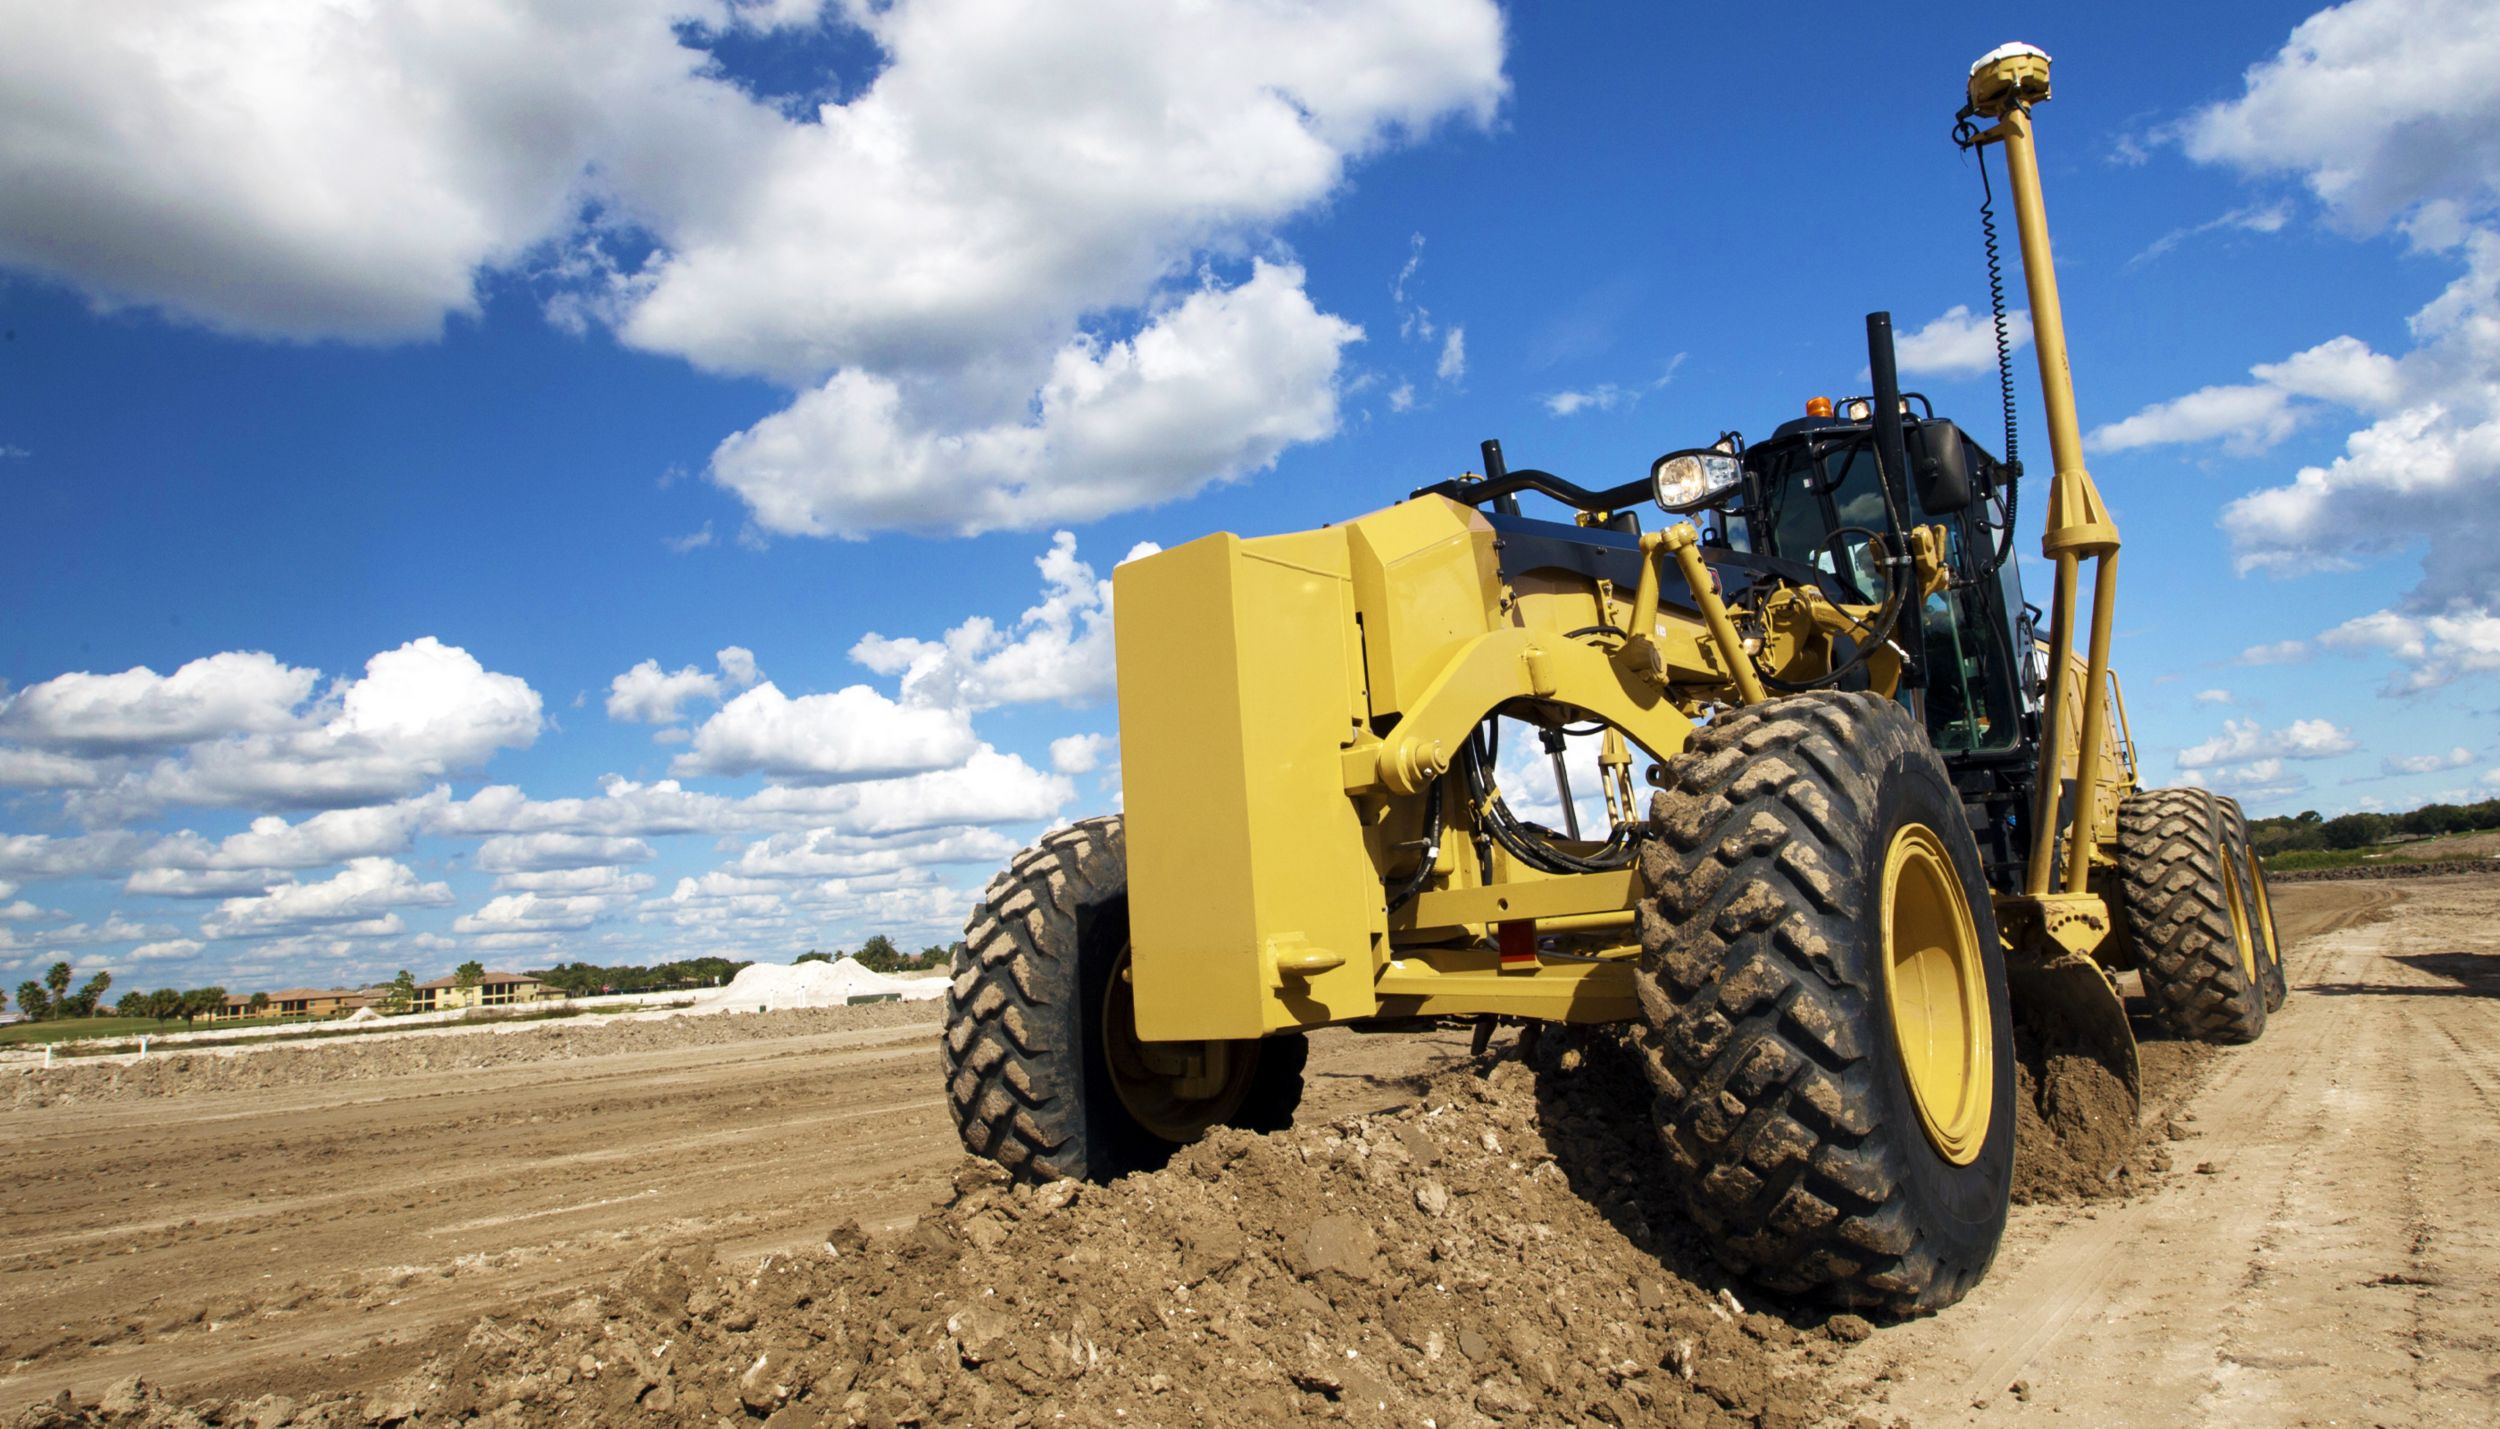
pixel 2181 890
pixel 1827 1020
pixel 1045 1074
pixel 2260 906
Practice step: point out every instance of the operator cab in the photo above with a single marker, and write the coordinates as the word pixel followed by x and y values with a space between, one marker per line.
pixel 1812 494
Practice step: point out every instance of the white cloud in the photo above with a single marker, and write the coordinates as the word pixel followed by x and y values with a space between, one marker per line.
pixel 2213 697
pixel 2277 652
pixel 1060 649
pixel 40 769
pixel 1081 753
pixel 852 733
pixel 599 881
pixel 114 929
pixel 1606 396
pixel 2245 741
pixel 355 902
pixel 2259 779
pixel 2456 758
pixel 737 666
pixel 170 950
pixel 419 712
pixel 537 915
pixel 2436 649
pixel 922 257
pixel 21 910
pixel 2253 417
pixel 540 852
pixel 201 882
pixel 1959 343
pixel 830 853
pixel 1453 364
pixel 647 695
pixel 1209 391
pixel 2386 109
pixel 2256 218
pixel 237 692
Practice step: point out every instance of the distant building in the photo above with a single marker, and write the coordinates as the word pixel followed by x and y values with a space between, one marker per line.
pixel 493 990
pixel 293 1002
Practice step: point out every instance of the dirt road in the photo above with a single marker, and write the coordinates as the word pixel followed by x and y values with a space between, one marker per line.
pixel 2334 1261
pixel 2337 1261
pixel 296 1238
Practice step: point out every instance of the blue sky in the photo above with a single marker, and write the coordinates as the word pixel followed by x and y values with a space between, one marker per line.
pixel 641 479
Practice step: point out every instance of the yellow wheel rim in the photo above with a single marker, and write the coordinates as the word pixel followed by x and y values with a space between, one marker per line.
pixel 2239 915
pixel 1177 1090
pixel 1937 991
pixel 2264 921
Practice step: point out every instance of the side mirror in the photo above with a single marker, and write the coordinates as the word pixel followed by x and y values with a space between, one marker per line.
pixel 1940 464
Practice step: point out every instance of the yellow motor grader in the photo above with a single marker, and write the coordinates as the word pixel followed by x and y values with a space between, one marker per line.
pixel 1887 815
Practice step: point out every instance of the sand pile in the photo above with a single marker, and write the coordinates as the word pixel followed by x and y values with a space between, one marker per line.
pixel 1482 1258
pixel 774 987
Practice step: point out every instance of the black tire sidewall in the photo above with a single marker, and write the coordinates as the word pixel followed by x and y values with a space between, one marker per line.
pixel 1959 1210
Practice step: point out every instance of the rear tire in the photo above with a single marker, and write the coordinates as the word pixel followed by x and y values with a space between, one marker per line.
pixel 1820 1157
pixel 1030 1045
pixel 2260 905
pixel 2188 918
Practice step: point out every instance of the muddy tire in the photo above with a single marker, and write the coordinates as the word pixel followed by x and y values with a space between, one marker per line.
pixel 1804 1139
pixel 2259 903
pixel 1030 1047
pixel 2188 917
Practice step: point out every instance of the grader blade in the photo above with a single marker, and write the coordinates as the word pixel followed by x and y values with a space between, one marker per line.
pixel 2066 1003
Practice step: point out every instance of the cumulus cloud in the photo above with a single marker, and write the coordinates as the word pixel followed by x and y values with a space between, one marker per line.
pixel 2245 741
pixel 1959 343
pixel 648 695
pixel 538 852
pixel 962 239
pixel 1081 753
pixel 357 901
pixel 2257 780
pixel 2456 758
pixel 2383 108
pixel 170 950
pixel 138 710
pixel 830 853
pixel 1210 390
pixel 2434 649
pixel 2213 697
pixel 2346 108
pixel 851 733
pixel 1058 650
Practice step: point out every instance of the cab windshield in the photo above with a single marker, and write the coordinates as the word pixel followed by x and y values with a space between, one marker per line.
pixel 1826 510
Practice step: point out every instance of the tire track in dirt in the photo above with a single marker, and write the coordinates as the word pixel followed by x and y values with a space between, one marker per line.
pixel 2330 1264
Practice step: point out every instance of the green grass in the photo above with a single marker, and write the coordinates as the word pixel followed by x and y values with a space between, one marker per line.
pixel 67 1029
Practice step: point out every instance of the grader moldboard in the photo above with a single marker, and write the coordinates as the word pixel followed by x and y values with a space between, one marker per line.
pixel 1888 818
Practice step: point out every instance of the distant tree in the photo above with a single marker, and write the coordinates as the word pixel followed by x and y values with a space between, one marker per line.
pixel 56 983
pixel 33 1000
pixel 201 1002
pixel 82 1003
pixel 465 977
pixel 134 1003
pixel 879 954
pixel 259 1003
pixel 164 1004
pixel 812 956
pixel 403 993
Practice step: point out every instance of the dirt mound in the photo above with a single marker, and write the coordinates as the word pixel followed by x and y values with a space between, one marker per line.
pixel 2424 868
pixel 2078 1135
pixel 1479 1258
pixel 351 1059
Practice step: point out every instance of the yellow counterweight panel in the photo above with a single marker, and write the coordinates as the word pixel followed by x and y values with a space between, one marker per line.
pixel 1253 902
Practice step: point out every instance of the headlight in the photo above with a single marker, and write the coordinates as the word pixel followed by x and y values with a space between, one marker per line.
pixel 1685 480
